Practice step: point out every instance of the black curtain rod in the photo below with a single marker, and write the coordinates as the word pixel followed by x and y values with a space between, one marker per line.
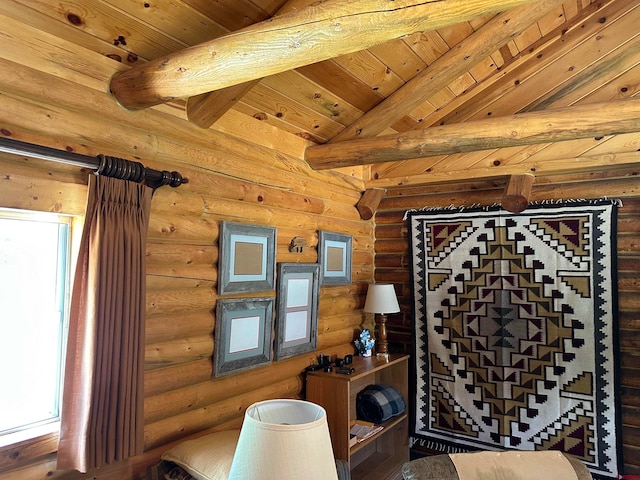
pixel 102 165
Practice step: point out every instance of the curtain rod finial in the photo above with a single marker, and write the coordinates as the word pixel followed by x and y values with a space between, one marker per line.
pixel 173 179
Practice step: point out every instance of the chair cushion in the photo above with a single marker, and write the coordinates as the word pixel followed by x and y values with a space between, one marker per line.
pixel 437 467
pixel 208 457
pixel 515 465
pixel 495 465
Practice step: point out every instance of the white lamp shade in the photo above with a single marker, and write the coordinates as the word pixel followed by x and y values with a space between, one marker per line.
pixel 381 298
pixel 282 439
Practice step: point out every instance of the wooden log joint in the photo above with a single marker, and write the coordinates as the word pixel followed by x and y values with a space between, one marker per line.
pixel 517 193
pixel 297 38
pixel 369 202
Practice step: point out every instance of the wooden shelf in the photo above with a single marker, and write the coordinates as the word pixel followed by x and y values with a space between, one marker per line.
pixel 381 456
pixel 387 426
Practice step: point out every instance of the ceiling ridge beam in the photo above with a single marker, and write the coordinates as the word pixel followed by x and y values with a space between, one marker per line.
pixel 559 166
pixel 309 35
pixel 553 125
pixel 469 52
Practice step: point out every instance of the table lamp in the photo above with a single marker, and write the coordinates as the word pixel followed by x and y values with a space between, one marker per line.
pixel 381 299
pixel 283 439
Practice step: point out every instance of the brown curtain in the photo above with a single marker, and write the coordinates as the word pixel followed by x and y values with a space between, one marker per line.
pixel 102 407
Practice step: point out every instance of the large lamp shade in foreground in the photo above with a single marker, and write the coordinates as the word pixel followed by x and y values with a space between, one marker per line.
pixel 284 439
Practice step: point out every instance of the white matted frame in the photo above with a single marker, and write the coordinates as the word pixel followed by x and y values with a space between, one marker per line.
pixel 247 258
pixel 334 257
pixel 242 334
pixel 297 316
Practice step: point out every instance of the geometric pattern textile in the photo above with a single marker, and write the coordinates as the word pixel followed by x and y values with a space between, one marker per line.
pixel 516 331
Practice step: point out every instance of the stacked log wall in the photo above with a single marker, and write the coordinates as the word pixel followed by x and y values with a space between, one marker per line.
pixel 235 174
pixel 392 263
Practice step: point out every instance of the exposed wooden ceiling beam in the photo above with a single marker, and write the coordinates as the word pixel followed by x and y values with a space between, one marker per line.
pixel 547 167
pixel 309 35
pixel 568 123
pixel 472 50
pixel 205 109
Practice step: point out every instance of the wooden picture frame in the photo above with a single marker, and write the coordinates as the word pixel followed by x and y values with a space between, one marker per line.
pixel 243 334
pixel 247 258
pixel 334 257
pixel 297 314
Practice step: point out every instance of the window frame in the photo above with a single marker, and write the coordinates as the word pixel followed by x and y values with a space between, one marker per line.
pixel 41 438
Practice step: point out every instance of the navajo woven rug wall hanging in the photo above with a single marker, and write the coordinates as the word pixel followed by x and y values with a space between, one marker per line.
pixel 515 330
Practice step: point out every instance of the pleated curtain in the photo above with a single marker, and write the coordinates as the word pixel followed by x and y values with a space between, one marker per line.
pixel 102 409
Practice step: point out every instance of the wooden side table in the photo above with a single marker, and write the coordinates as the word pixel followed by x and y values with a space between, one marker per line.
pixel 382 455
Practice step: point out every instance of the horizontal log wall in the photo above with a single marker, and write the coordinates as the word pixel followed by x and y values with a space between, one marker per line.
pixel 230 179
pixel 392 263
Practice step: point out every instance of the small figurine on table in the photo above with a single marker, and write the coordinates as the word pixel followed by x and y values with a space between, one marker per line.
pixel 365 343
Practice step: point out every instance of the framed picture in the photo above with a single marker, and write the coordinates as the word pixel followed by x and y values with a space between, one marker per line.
pixel 297 315
pixel 334 257
pixel 247 258
pixel 242 334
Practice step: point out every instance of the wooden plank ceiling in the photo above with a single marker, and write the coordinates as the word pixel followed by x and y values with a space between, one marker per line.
pixel 537 56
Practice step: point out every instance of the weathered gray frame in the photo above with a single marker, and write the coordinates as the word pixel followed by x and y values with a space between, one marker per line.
pixel 287 271
pixel 226 362
pixel 225 283
pixel 345 241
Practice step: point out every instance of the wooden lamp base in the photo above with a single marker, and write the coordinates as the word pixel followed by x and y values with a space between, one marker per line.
pixel 382 347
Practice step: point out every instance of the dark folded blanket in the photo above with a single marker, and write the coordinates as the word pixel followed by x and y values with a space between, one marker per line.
pixel 379 403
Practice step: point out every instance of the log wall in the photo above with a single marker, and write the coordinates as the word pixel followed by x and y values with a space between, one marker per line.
pixel 234 174
pixel 55 67
pixel 392 260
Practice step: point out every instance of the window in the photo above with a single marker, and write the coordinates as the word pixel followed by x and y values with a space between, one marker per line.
pixel 35 270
